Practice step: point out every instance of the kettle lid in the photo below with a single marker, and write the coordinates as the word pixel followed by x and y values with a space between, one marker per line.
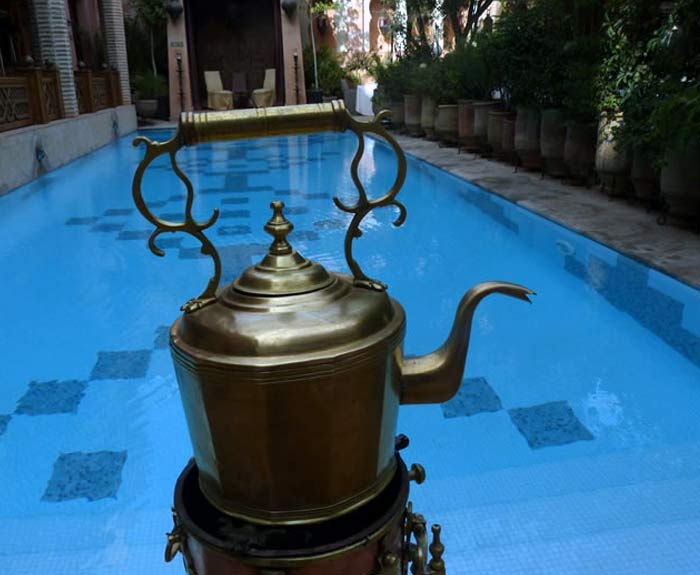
pixel 283 271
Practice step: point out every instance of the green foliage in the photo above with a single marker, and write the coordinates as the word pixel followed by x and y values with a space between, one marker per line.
pixel 322 6
pixel 330 71
pixel 526 53
pixel 147 86
pixel 150 12
pixel 391 82
pixel 650 73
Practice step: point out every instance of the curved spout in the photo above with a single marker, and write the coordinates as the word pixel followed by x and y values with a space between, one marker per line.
pixel 435 377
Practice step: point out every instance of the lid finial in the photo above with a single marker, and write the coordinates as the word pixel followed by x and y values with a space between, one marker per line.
pixel 278 227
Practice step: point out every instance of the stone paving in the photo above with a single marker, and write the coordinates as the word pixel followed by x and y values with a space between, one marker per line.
pixel 617 223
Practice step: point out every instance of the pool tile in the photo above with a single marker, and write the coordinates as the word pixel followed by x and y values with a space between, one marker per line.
pixel 106 228
pixel 93 476
pixel 236 181
pixel 244 200
pixel 121 364
pixel 162 340
pixel 475 395
pixel 625 285
pixel 134 234
pixel 330 224
pixel 49 397
pixel 81 221
pixel 491 206
pixel 177 198
pixel 173 216
pixel 296 210
pixel 4 420
pixel 165 242
pixel 119 212
pixel 240 230
pixel 230 214
pixel 549 424
pixel 304 235
pixel 317 196
pixel 285 192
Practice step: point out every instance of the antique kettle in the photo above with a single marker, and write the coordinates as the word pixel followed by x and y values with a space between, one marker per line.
pixel 291 376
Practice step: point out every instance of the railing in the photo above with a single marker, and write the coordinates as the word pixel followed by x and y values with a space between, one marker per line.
pixel 97 90
pixel 31 96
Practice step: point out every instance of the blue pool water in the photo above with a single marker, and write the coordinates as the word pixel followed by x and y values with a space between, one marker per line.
pixel 572 447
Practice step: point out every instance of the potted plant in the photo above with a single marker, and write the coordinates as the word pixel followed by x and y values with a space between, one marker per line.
pixel 316 11
pixel 446 91
pixel 391 87
pixel 148 88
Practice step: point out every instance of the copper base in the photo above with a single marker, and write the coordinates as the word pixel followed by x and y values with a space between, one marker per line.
pixel 371 540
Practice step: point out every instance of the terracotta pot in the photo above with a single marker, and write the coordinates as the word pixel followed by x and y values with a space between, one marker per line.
pixel 645 178
pixel 680 181
pixel 527 138
pixel 552 138
pixel 397 115
pixel 495 130
pixel 481 120
pixel 446 123
pixel 427 116
pixel 508 138
pixel 611 163
pixel 579 150
pixel 465 123
pixel 146 108
pixel 412 109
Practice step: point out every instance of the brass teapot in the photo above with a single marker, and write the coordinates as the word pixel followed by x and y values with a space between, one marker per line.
pixel 292 376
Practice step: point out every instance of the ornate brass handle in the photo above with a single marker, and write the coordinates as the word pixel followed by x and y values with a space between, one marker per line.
pixel 199 127
pixel 417 553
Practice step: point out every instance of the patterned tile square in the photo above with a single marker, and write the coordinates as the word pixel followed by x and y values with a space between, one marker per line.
pixel 229 214
pixel 4 420
pixel 549 424
pixel 94 476
pixel 233 230
pixel 134 234
pixel 296 210
pixel 244 200
pixel 44 398
pixel 106 228
pixel 308 235
pixel 165 243
pixel 162 340
pixel 119 212
pixel 475 395
pixel 81 221
pixel 330 224
pixel 121 364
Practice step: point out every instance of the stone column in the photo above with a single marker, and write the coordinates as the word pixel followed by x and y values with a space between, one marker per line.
pixel 291 42
pixel 178 66
pixel 115 42
pixel 55 45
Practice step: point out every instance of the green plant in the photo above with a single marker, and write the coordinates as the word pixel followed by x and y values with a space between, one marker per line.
pixel 526 53
pixel 330 71
pixel 650 74
pixel 391 82
pixel 473 78
pixel 149 86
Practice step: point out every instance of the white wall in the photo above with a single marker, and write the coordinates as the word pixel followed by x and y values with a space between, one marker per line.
pixel 62 142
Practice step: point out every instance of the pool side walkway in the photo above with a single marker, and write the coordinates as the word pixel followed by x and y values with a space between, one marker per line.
pixel 617 223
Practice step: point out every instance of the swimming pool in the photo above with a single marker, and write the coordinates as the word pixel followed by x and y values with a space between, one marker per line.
pixel 573 446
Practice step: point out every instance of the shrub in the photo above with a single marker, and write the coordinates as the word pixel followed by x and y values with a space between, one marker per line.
pixel 149 86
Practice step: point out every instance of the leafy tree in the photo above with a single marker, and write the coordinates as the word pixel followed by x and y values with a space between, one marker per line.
pixel 464 16
pixel 152 14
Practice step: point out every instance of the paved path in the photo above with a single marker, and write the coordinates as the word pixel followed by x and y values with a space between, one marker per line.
pixel 618 224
